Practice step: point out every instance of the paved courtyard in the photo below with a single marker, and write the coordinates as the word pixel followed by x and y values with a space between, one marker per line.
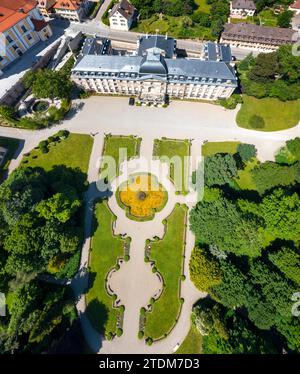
pixel 182 120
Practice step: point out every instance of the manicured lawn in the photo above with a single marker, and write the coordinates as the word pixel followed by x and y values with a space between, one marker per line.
pixel 277 115
pixel 11 145
pixel 192 344
pixel 73 152
pixel 168 257
pixel 106 248
pixel 212 148
pixel 179 149
pixel 128 144
pixel 244 178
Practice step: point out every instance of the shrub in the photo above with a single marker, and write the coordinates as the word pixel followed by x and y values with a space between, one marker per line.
pixel 114 297
pixel 43 144
pixel 246 151
pixel 122 308
pixel 152 300
pixel 44 150
pixel 143 311
pixel 256 122
pixel 63 134
pixel 127 258
pixel 109 335
pixel 117 267
pixel 146 259
pixel 141 334
pixel 181 300
pixel 119 332
pixel 154 269
pixel 183 277
pixel 149 341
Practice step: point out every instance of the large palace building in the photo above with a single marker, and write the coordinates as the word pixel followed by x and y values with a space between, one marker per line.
pixel 153 73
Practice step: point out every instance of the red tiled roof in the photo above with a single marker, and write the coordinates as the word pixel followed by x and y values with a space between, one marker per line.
pixel 38 24
pixel 67 4
pixel 295 5
pixel 12 12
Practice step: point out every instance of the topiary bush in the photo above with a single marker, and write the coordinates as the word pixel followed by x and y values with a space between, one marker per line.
pixel 119 332
pixel 141 334
pixel 256 122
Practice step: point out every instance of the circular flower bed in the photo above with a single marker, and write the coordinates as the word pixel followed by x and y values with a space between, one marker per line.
pixel 40 106
pixel 142 196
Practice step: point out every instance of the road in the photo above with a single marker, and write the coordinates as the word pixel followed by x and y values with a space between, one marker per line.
pixel 97 27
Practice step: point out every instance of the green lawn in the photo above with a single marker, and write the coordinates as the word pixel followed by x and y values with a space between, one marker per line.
pixel 73 152
pixel 211 148
pixel 180 150
pixel 168 257
pixel 267 18
pixel 11 145
pixel 113 145
pixel 277 115
pixel 192 344
pixel 106 249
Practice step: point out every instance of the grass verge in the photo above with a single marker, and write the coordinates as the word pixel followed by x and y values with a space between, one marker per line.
pixel 192 344
pixel 211 148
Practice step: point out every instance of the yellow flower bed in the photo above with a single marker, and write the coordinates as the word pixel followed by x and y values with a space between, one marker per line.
pixel 143 195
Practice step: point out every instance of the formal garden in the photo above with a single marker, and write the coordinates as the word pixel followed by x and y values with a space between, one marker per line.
pixel 142 196
pixel 120 148
pixel 246 254
pixel 106 249
pixel 176 153
pixel 167 256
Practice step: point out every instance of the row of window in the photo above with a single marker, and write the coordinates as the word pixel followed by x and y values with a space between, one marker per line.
pixel 171 78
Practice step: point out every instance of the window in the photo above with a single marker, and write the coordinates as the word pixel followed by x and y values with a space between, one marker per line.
pixel 23 28
pixel 9 39
pixel 29 37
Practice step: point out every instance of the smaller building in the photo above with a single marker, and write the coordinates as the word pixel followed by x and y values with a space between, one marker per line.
pixel 122 16
pixel 46 6
pixel 73 10
pixel 295 7
pixel 259 38
pixel 242 8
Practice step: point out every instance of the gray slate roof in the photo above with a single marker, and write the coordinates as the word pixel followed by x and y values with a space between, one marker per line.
pixel 167 44
pixel 125 8
pixel 243 4
pixel 254 33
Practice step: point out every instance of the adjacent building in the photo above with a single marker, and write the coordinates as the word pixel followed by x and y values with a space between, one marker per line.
pixel 154 74
pixel 242 8
pixel 260 38
pixel 122 15
pixel 72 10
pixel 21 27
pixel 46 6
pixel 295 7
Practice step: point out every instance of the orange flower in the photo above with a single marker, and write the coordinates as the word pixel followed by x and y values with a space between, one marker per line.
pixel 143 195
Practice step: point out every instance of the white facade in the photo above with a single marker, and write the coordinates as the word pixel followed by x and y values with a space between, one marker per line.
pixel 154 90
pixel 118 22
pixel 237 11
